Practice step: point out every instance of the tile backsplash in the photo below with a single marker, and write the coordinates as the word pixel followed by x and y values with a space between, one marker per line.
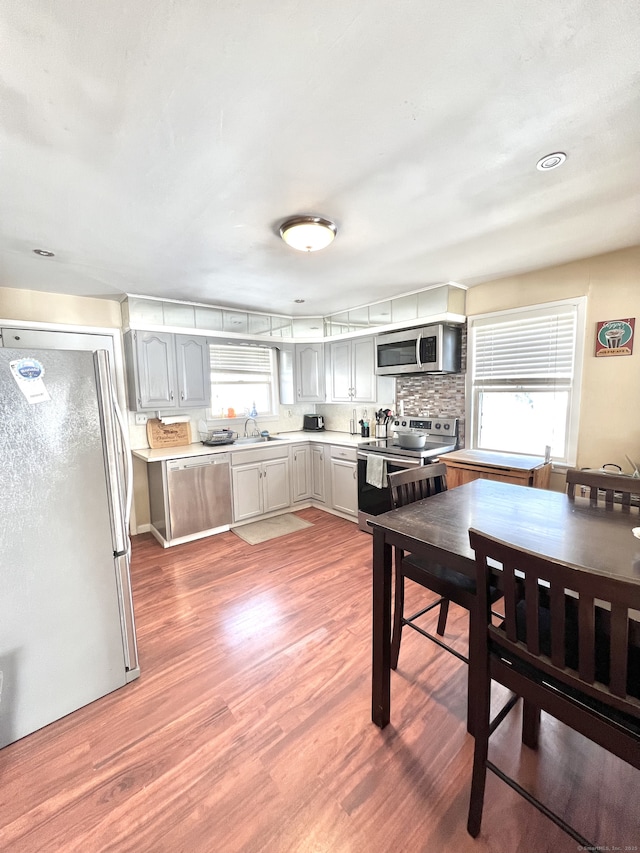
pixel 437 396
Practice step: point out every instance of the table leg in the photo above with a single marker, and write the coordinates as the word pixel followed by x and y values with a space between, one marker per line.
pixel 381 666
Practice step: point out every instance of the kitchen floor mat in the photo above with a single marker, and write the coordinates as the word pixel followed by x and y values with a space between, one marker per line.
pixel 270 528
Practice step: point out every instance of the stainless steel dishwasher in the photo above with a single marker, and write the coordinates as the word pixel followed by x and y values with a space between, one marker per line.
pixel 189 496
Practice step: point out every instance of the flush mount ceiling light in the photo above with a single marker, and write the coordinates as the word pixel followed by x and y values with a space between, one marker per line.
pixel 44 253
pixel 308 233
pixel 551 161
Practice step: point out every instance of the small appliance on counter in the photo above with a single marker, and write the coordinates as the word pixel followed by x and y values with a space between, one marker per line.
pixel 313 423
pixel 215 437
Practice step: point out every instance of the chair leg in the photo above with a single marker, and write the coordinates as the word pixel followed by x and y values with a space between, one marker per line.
pixel 478 780
pixel 530 725
pixel 398 611
pixel 480 752
pixel 442 618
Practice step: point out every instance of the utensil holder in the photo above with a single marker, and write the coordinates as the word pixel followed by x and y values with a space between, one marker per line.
pixel 381 430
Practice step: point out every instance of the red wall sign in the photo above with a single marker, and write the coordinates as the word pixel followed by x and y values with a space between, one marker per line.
pixel 615 337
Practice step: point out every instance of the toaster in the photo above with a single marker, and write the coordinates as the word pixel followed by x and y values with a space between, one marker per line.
pixel 313 422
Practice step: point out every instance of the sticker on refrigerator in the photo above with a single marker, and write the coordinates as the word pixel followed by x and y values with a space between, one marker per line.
pixel 28 374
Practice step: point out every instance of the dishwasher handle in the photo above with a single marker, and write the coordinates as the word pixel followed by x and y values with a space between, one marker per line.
pixel 197 462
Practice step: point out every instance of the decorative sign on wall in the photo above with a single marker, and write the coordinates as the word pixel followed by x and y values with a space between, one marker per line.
pixel 615 337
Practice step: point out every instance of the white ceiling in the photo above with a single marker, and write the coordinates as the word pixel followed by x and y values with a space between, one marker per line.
pixel 156 145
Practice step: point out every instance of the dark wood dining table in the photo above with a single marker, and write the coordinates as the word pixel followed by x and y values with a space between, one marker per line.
pixel 589 537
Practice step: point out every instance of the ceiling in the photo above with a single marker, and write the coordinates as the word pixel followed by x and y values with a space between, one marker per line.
pixel 156 146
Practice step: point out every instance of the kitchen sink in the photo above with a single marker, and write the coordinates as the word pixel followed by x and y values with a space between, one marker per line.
pixel 257 439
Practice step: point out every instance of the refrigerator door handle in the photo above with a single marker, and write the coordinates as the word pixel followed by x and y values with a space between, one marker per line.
pixel 119 496
pixel 128 471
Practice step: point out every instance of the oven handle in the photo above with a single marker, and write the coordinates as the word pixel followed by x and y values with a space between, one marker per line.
pixel 403 461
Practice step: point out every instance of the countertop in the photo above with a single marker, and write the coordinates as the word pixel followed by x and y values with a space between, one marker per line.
pixel 198 449
pixel 515 461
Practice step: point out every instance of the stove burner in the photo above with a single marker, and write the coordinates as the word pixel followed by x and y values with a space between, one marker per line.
pixel 441 437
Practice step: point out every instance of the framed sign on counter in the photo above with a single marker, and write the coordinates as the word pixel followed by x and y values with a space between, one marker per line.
pixel 615 337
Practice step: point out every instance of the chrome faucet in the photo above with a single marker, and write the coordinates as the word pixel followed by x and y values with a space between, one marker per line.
pixel 256 431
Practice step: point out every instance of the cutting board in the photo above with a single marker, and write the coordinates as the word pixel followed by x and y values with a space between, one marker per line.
pixel 161 435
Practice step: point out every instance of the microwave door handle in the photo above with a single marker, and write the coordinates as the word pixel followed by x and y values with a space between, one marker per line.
pixel 418 342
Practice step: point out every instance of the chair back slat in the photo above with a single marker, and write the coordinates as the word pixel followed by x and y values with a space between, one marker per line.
pixel 511 597
pixel 532 602
pixel 586 638
pixel 619 649
pixel 557 601
pixel 414 484
pixel 572 625
pixel 611 489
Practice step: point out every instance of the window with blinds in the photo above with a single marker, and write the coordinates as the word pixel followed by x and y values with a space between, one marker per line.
pixel 523 379
pixel 242 378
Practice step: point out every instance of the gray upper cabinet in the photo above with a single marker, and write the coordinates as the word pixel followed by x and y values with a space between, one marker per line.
pixel 352 371
pixel 167 371
pixel 193 372
pixel 310 373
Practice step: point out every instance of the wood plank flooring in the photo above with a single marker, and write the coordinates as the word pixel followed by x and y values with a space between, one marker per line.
pixel 250 731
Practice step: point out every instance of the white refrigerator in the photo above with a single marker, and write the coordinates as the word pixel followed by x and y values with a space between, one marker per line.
pixel 67 630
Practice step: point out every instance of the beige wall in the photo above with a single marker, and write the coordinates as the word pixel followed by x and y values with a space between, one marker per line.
pixel 610 405
pixel 35 307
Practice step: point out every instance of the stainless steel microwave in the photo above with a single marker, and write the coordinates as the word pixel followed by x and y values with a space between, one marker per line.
pixel 431 349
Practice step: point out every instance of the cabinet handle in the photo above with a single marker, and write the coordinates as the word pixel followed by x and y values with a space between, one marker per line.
pixel 182 395
pixel 171 395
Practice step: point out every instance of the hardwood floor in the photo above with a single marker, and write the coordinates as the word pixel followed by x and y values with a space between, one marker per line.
pixel 250 730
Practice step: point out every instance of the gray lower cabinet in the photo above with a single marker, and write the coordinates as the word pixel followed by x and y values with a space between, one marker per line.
pixel 300 472
pixel 318 475
pixel 260 481
pixel 167 371
pixel 343 467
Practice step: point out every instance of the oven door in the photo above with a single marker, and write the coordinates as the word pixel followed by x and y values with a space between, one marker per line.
pixel 373 501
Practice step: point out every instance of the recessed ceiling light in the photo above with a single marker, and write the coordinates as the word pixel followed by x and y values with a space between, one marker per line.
pixel 308 233
pixel 299 301
pixel 44 253
pixel 551 161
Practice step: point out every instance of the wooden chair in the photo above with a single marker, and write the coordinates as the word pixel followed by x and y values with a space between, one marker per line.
pixel 610 487
pixel 562 652
pixel 409 486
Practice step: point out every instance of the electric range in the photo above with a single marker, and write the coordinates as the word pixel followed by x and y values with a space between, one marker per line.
pixel 374 495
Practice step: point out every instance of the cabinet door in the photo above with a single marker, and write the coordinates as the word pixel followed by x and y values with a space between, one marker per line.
pixel 247 491
pixel 301 472
pixel 275 484
pixel 340 371
pixel 310 373
pixel 286 374
pixel 194 371
pixel 156 366
pixel 363 370
pixel 344 486
pixel 318 490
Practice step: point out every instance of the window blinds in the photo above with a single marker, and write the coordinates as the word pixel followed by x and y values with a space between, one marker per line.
pixel 230 359
pixel 533 348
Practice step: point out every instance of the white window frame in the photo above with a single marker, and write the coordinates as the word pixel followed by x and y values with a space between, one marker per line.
pixel 214 420
pixel 573 417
